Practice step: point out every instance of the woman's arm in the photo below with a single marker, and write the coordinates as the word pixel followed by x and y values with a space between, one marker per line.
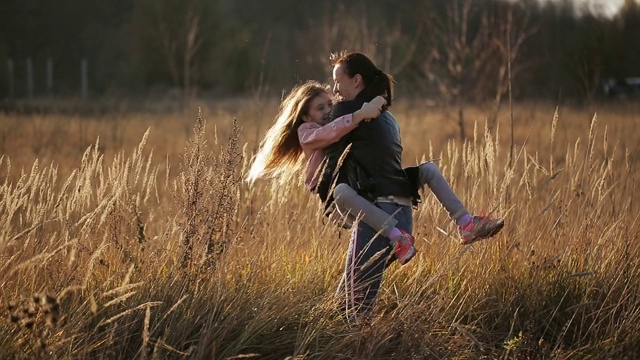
pixel 315 136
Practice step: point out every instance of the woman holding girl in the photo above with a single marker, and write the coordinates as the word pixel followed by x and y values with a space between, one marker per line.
pixel 308 124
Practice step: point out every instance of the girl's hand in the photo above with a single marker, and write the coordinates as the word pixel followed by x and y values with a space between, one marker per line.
pixel 371 110
pixel 380 101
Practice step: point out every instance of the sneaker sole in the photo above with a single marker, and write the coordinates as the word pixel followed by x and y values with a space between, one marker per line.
pixel 408 257
pixel 489 235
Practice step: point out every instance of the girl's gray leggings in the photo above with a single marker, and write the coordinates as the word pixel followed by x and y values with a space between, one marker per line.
pixel 349 203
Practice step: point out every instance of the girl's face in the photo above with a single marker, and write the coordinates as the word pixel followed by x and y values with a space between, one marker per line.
pixel 319 109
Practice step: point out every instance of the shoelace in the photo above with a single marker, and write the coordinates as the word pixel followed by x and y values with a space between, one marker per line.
pixel 481 218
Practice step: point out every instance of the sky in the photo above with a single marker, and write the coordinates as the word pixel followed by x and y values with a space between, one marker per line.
pixel 607 8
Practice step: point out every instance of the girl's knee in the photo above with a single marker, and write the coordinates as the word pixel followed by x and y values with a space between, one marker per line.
pixel 343 189
pixel 429 169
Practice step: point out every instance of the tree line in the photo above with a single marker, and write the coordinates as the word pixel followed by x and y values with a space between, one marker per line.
pixel 453 52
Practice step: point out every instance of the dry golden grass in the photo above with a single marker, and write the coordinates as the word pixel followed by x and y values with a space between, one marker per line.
pixel 94 234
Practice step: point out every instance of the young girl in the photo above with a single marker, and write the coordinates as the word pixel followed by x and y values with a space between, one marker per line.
pixel 300 135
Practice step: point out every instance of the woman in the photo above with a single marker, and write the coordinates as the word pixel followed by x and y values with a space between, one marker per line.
pixel 372 167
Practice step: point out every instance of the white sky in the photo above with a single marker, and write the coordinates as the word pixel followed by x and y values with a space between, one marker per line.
pixel 607 8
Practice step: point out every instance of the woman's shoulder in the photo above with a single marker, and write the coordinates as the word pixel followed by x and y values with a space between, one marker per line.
pixel 345 107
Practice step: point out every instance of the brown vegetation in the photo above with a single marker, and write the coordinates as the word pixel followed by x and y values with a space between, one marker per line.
pixel 133 236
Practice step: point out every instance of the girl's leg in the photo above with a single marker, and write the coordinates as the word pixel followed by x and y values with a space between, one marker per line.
pixel 348 202
pixel 472 228
pixel 429 174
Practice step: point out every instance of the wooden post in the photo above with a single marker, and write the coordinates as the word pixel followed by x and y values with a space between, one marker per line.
pixel 11 79
pixel 84 70
pixel 29 78
pixel 49 77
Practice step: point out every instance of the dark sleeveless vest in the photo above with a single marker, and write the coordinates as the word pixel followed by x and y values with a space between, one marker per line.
pixel 373 165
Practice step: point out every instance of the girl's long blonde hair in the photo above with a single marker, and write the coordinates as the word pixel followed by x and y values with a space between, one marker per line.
pixel 280 155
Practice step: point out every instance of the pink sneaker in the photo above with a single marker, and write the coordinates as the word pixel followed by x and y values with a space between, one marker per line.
pixel 480 227
pixel 405 248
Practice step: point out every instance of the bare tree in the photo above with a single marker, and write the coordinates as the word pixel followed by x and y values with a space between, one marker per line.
pixel 460 51
pixel 588 70
pixel 169 43
pixel 181 41
pixel 384 42
pixel 192 44
pixel 508 38
pixel 587 56
pixel 395 36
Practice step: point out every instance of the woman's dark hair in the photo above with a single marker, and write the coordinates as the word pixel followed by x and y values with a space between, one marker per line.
pixel 376 81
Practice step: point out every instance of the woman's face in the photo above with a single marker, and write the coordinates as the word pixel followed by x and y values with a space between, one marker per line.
pixel 319 109
pixel 345 87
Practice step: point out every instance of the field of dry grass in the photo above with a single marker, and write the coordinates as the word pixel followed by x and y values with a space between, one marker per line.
pixel 133 236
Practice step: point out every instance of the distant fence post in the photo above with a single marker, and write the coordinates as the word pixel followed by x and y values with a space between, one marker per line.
pixel 11 85
pixel 84 70
pixel 49 77
pixel 29 78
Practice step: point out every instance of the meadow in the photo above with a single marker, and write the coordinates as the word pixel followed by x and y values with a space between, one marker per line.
pixel 132 235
